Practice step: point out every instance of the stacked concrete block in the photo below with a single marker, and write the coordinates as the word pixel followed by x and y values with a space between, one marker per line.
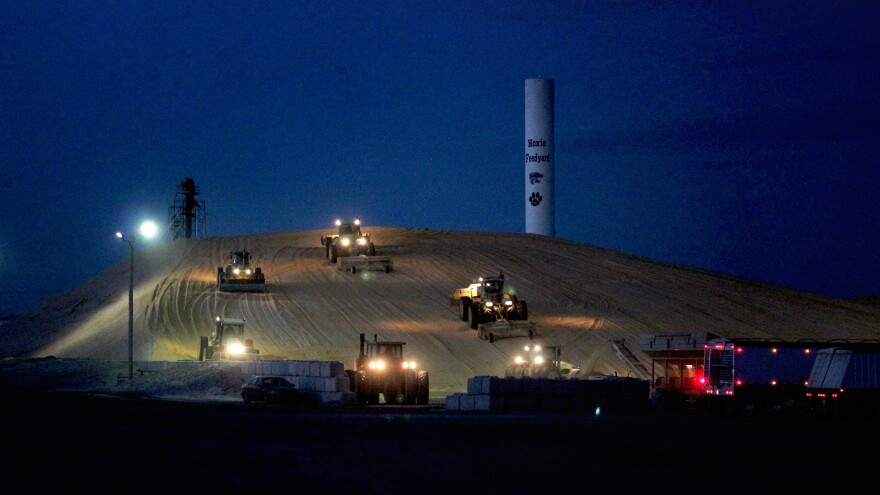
pixel 490 393
pixel 475 402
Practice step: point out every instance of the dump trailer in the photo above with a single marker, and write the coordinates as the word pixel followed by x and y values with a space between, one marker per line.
pixel 239 276
pixel 380 371
pixel 760 376
pixel 228 342
pixel 541 361
pixel 845 382
pixel 487 300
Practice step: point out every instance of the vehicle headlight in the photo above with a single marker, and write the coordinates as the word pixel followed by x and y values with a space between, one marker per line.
pixel 234 346
pixel 508 302
pixel 247 272
pixel 361 241
pixel 519 360
pixel 539 360
pixel 235 271
pixel 409 365
pixel 489 304
pixel 377 364
pixel 345 241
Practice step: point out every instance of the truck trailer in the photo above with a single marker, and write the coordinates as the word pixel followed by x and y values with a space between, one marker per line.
pixel 763 376
pixel 845 382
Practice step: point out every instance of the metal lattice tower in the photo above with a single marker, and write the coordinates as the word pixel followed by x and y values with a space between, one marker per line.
pixel 186 216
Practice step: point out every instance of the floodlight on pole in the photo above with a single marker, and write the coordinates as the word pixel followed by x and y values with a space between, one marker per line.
pixel 148 229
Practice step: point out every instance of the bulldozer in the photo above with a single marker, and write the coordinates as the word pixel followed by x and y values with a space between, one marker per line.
pixel 488 307
pixel 227 343
pixel 239 276
pixel 381 370
pixel 541 361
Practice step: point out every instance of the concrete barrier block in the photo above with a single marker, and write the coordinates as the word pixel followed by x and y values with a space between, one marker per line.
pixel 478 385
pixel 279 367
pixel 314 368
pixel 332 368
pixel 321 384
pixel 537 386
pixel 488 402
pixel 150 366
pixel 520 402
pixel 332 383
pixel 568 387
pixel 554 403
pixel 466 402
pixel 246 367
pixel 304 368
pixel 508 386
pixel 453 402
pixel 340 383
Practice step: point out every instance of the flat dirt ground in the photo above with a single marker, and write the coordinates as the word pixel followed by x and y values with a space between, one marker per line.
pixel 86 441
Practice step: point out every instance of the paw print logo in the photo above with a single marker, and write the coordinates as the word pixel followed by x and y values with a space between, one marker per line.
pixel 535 199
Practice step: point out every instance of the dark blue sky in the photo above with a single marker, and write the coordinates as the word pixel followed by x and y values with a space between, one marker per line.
pixel 739 137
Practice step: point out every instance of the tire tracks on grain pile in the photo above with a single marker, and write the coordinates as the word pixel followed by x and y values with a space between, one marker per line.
pixel 433 272
pixel 309 331
pixel 402 304
pixel 169 308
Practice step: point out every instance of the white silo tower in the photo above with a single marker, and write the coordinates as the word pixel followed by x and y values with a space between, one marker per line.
pixel 539 157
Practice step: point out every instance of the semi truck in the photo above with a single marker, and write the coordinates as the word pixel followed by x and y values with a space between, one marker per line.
pixel 764 376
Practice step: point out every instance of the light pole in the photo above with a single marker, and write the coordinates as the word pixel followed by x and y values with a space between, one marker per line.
pixel 148 229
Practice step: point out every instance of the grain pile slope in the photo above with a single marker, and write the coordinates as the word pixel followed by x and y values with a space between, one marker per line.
pixel 580 296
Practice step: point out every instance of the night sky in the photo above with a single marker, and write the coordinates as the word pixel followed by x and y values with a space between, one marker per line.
pixel 738 137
